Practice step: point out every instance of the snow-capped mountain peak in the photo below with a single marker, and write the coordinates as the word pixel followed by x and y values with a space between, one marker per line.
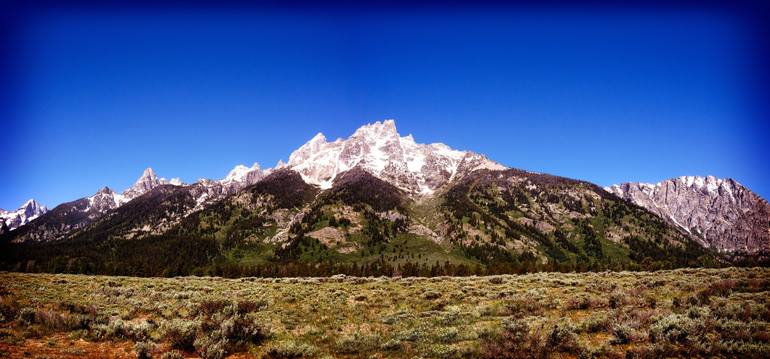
pixel 379 149
pixel 241 173
pixel 378 130
pixel 27 212
pixel 33 208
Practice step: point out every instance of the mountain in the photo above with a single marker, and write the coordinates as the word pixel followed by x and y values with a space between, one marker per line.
pixel 496 221
pixel 378 149
pixel 22 215
pixel 381 203
pixel 164 206
pixel 69 217
pixel 720 214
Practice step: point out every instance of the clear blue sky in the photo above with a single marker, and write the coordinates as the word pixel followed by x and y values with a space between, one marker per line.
pixel 602 96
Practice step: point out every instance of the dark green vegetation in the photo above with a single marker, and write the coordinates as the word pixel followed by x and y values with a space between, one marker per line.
pixel 575 224
pixel 489 222
pixel 680 313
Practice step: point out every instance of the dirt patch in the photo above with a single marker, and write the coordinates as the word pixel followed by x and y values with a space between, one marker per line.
pixel 60 346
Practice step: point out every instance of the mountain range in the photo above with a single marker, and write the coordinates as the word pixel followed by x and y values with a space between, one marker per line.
pixel 381 203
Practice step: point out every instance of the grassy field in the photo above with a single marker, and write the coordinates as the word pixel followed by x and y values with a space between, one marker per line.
pixel 679 313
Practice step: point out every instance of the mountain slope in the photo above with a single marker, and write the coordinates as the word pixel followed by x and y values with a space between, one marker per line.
pixel 719 213
pixel 262 212
pixel 557 221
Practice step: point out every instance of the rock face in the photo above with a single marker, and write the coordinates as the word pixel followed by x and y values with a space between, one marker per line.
pixel 21 216
pixel 718 213
pixel 378 149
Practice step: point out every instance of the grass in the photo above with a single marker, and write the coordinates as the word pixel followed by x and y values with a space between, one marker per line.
pixel 679 313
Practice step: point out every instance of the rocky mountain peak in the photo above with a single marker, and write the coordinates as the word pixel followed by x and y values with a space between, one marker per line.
pixel 378 130
pixel 379 149
pixel 32 207
pixel 146 182
pixel 719 213
pixel 27 212
pixel 104 200
pixel 241 176
pixel 105 190
pixel 307 150
pixel 148 179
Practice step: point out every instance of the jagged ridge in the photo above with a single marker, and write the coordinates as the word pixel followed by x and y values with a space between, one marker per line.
pixel 720 213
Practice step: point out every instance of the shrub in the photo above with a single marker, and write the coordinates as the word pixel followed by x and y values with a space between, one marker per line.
pixel 595 323
pixel 143 349
pixel 514 342
pixel 9 309
pixel 675 328
pixel 615 300
pixel 699 312
pixel 76 308
pixel 410 335
pixel 447 335
pixel 115 329
pixel 444 351
pixel 583 302
pixel 180 333
pixel 520 308
pixel 208 307
pixel 50 320
pixel 562 338
pixel 721 288
pixel 289 349
pixel 741 311
pixel 27 316
pixel 676 303
pixel 652 302
pixel 239 330
pixel 211 346
pixel 84 321
pixel 174 354
pixel 448 318
pixel 249 306
pixel 621 334
pixel 357 343
pixel 391 345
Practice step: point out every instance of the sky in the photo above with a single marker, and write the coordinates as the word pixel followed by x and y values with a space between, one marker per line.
pixel 92 97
